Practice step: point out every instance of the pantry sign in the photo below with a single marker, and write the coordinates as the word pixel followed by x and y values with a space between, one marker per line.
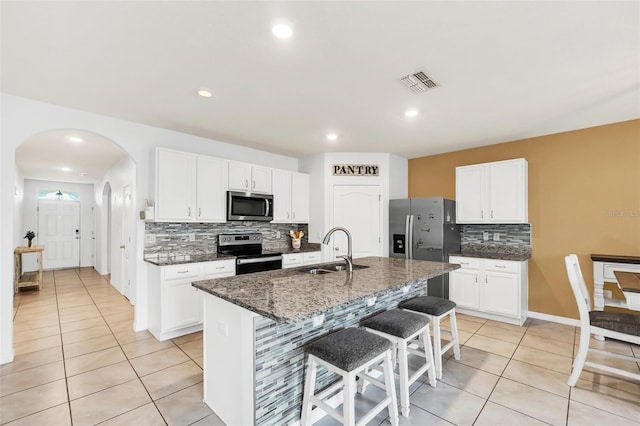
pixel 355 170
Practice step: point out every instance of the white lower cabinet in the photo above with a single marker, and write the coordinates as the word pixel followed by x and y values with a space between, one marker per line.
pixel 490 288
pixel 175 306
pixel 292 260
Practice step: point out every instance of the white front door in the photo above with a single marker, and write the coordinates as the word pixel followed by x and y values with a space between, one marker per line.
pixel 126 240
pixel 59 232
pixel 358 209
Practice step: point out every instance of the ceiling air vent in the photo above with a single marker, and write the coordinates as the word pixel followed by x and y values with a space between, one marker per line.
pixel 419 82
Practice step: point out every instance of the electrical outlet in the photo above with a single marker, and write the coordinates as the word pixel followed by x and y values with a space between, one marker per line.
pixel 406 289
pixel 371 301
pixel 223 328
pixel 277 234
pixel 485 235
pixel 318 320
pixel 150 238
pixel 608 294
pixel 496 236
pixel 192 237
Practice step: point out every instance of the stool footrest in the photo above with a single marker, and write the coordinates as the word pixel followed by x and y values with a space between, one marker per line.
pixel 374 411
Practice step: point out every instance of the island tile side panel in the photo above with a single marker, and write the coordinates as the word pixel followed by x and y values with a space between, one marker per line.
pixel 280 356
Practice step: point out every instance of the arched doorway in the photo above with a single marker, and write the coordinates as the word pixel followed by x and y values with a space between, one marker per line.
pixel 78 157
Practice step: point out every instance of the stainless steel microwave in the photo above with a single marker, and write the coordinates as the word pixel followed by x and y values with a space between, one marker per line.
pixel 246 206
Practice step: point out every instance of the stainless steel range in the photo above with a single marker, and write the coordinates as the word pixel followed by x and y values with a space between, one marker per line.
pixel 250 257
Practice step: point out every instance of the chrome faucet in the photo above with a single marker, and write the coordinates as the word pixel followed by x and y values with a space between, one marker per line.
pixel 348 258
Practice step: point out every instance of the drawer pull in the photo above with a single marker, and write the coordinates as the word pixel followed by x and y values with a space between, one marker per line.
pixel 183 272
pixel 500 266
pixel 219 267
pixel 464 263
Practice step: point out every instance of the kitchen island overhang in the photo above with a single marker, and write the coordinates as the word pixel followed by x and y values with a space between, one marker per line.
pixel 256 326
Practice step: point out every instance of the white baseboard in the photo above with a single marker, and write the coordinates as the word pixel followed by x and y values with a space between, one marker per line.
pixel 554 318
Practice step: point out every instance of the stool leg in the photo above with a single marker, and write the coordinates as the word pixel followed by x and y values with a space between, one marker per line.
pixel 391 390
pixel 437 346
pixel 309 389
pixel 404 377
pixel 454 334
pixel 348 400
pixel 428 353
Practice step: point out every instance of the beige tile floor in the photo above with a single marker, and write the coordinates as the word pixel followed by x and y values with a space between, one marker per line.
pixel 79 362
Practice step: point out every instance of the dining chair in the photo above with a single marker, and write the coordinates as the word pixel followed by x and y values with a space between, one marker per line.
pixel 615 325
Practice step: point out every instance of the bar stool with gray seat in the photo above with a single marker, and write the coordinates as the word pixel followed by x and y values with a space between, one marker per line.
pixel 436 308
pixel 402 327
pixel 350 353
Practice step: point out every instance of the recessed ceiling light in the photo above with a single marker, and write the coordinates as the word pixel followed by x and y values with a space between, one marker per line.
pixel 411 113
pixel 75 139
pixel 332 136
pixel 83 173
pixel 65 169
pixel 282 31
pixel 205 93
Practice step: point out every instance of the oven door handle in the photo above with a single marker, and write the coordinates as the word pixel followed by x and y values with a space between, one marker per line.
pixel 258 260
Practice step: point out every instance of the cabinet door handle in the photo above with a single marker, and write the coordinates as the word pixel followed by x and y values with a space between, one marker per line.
pixel 189 211
pixel 199 212
pixel 293 215
pixel 287 215
pixel 476 279
pixel 481 214
pixel 246 183
pixel 491 214
pixel 253 184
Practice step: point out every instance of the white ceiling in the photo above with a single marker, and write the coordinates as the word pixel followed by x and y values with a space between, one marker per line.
pixel 507 70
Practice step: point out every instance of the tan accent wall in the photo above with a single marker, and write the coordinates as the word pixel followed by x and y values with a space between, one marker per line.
pixel 584 197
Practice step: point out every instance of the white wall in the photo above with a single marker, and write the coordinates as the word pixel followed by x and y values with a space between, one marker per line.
pixel 32 190
pixel 22 118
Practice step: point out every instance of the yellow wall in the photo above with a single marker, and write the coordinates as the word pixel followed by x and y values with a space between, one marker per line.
pixel 584 197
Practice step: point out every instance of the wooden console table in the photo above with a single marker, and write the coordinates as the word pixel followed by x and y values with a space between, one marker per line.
pixel 604 270
pixel 28 279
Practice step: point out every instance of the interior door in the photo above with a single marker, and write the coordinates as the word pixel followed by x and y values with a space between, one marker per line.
pixel 59 232
pixel 126 240
pixel 358 209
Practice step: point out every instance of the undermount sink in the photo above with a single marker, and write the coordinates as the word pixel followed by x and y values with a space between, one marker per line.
pixel 327 269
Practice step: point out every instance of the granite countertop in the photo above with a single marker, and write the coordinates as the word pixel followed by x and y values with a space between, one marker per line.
pixel 288 295
pixel 518 254
pixel 165 259
pixel 285 248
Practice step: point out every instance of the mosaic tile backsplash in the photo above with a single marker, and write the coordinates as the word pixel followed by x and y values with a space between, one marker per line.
pixel 174 237
pixel 513 235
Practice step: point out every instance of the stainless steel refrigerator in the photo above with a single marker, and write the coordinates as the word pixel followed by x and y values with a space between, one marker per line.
pixel 425 229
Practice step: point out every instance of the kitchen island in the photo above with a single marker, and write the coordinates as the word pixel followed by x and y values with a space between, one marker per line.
pixel 256 326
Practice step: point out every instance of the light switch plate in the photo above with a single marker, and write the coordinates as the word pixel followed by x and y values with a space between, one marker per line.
pixel 192 237
pixel 496 236
pixel 150 238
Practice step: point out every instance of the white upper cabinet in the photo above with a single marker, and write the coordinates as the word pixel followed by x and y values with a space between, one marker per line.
pixel 249 178
pixel 290 197
pixel 175 185
pixel 300 198
pixel 492 192
pixel 190 187
pixel 211 189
